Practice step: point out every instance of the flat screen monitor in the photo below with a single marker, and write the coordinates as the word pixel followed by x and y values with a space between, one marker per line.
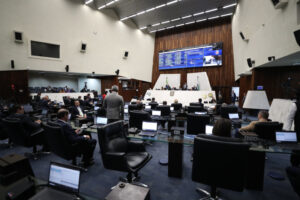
pixel 208 129
pixel 200 56
pixel 101 120
pixel 286 137
pixel 148 107
pixel 149 126
pixel 233 115
pixel 156 112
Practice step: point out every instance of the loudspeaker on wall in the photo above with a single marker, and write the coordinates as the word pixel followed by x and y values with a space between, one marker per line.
pixel 126 54
pixel 83 47
pixel 12 64
pixel 297 36
pixel 250 62
pixel 18 36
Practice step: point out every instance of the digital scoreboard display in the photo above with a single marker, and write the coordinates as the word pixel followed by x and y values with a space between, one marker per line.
pixel 201 56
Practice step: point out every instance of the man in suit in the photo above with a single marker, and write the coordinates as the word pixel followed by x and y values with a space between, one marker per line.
pixel 114 105
pixel 85 143
pixel 30 126
pixel 77 110
pixel 45 103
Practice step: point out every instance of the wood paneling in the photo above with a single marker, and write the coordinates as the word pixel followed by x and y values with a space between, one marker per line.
pixel 245 85
pixel 19 80
pixel 195 35
pixel 108 82
pixel 273 79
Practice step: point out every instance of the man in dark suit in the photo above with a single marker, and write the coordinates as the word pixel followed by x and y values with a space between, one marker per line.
pixel 30 126
pixel 77 111
pixel 114 105
pixel 45 103
pixel 86 144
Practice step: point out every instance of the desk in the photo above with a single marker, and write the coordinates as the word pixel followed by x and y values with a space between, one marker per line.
pixel 59 96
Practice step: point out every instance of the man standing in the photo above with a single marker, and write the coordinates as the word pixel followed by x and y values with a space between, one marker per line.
pixel 85 143
pixel 114 105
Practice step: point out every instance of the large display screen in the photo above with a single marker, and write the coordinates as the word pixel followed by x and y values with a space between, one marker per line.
pixel 201 56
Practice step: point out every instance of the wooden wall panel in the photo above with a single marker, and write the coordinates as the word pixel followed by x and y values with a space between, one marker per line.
pixel 195 35
pixel 245 85
pixel 108 82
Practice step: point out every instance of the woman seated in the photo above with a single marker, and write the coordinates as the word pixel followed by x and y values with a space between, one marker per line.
pixel 222 128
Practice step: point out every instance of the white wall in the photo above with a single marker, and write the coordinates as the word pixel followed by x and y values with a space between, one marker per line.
pixel 201 78
pixel 173 81
pixel 69 22
pixel 39 80
pixel 92 84
pixel 270 31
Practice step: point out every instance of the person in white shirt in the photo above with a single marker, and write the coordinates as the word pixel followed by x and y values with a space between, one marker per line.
pixel 77 111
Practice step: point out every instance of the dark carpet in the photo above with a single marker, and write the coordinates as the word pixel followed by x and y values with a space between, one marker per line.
pixel 98 181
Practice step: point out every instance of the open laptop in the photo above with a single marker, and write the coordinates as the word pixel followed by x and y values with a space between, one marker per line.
pixel 125 110
pixel 286 137
pixel 149 129
pixel 147 107
pixel 234 117
pixel 63 183
pixel 156 112
pixel 96 108
pixel 208 129
pixel 171 108
pixel 44 112
pixel 200 113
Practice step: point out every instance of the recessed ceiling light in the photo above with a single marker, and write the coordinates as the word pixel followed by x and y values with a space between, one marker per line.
pixel 201 20
pixel 211 10
pixel 200 13
pixel 172 2
pixel 160 6
pixel 179 25
pixel 101 7
pixel 229 14
pixel 188 16
pixel 192 22
pixel 173 20
pixel 156 24
pixel 214 17
pixel 230 5
pixel 165 22
pixel 88 2
pixel 142 28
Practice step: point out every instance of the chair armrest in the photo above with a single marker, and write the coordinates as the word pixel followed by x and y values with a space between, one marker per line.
pixel 115 154
pixel 37 132
pixel 136 146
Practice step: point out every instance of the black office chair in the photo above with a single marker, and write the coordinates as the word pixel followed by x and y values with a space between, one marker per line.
pixel 225 110
pixel 153 105
pixel 165 110
pixel 219 162
pixel 58 144
pixel 266 130
pixel 18 136
pixel 196 123
pixel 177 106
pixel 193 109
pixel 4 135
pixel 196 104
pixel 121 154
pixel 137 117
pixel 132 107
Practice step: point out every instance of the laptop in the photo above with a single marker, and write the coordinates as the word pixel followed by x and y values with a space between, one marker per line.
pixel 147 107
pixel 200 113
pixel 126 110
pixel 101 120
pixel 63 183
pixel 208 129
pixel 149 129
pixel 156 112
pixel 96 108
pixel 171 108
pixel 233 116
pixel 286 137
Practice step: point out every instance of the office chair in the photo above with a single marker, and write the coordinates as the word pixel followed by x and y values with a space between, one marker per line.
pixel 137 117
pixel 165 110
pixel 177 106
pixel 219 162
pixel 121 154
pixel 153 105
pixel 225 110
pixel 196 104
pixel 266 130
pixel 196 123
pixel 58 144
pixel 132 107
pixel 19 136
pixel 193 109
pixel 4 135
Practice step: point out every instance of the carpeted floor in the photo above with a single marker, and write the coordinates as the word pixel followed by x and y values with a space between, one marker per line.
pixel 98 181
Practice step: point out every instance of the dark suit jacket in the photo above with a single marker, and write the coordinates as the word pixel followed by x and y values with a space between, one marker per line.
pixel 69 133
pixel 29 125
pixel 75 111
pixel 44 104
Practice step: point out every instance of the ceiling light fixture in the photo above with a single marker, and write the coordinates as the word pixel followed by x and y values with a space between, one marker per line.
pixel 88 2
pixel 211 10
pixel 200 13
pixel 230 5
pixel 165 22
pixel 108 4
pixel 192 22
pixel 229 14
pixel 142 28
pixel 215 17
pixel 185 17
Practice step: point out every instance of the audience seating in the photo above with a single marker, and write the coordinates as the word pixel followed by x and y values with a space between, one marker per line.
pixel 196 123
pixel 193 109
pixel 153 105
pixel 219 162
pixel 266 130
pixel 18 136
pixel 165 110
pixel 120 154
pixel 177 106
pixel 196 104
pixel 137 117
pixel 225 110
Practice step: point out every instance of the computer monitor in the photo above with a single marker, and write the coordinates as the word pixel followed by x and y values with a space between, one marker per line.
pixel 64 177
pixel 126 110
pixel 96 108
pixel 233 115
pixel 101 120
pixel 200 113
pixel 126 106
pixel 208 129
pixel 286 137
pixel 172 108
pixel 156 112
pixel 148 107
pixel 149 126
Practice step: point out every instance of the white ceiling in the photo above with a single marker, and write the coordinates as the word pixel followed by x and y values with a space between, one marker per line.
pixel 165 11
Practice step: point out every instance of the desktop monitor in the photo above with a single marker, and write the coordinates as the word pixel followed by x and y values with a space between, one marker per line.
pixel 149 126
pixel 233 115
pixel 101 120
pixel 156 112
pixel 126 110
pixel 286 137
pixel 209 129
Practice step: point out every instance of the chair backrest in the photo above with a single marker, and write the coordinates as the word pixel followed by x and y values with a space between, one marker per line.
pixel 266 130
pixel 16 132
pixel 111 138
pixel 57 142
pixel 220 162
pixel 193 109
pixel 177 106
pixel 196 104
pixel 225 110
pixel 165 110
pixel 137 117
pixel 153 105
pixel 135 107
pixel 196 123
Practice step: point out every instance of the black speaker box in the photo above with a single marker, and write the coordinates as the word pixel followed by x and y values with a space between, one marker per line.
pixel 12 64
pixel 249 62
pixel 126 54
pixel 297 36
pixel 242 35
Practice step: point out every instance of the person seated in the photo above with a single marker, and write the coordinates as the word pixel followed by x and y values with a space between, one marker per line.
pixel 31 127
pixel 176 101
pixel 85 143
pixel 45 103
pixel 222 128
pixel 200 102
pixel 164 103
pixel 80 100
pixel 139 105
pixel 262 117
pixel 77 111
pixel 153 100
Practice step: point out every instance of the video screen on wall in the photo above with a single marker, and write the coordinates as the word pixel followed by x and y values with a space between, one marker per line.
pixel 200 56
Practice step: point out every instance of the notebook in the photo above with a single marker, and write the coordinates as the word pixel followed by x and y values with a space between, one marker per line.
pixel 289 137
pixel 149 129
pixel 63 183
